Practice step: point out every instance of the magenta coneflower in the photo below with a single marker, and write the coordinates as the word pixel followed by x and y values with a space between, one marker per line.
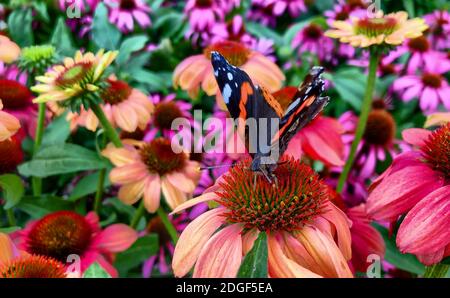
pixel 430 87
pixel 293 7
pixel 123 13
pixel 417 184
pixel 439 32
pixel 262 13
pixel 343 10
pixel 233 30
pixel 311 40
pixel 60 234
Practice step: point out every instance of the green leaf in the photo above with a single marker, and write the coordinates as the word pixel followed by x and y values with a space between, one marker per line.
pixel 130 45
pixel 41 9
pixel 38 207
pixel 169 24
pixel 62 39
pixel 155 81
pixel 56 132
pixel 255 262
pixel 409 6
pixel 12 188
pixel 292 31
pixel 19 26
pixel 104 34
pixel 141 250
pixel 62 159
pixel 96 271
pixel 86 186
pixel 262 31
pixel 350 84
pixel 407 262
pixel 9 230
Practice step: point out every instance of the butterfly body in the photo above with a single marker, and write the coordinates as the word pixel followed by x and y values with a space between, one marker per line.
pixel 252 104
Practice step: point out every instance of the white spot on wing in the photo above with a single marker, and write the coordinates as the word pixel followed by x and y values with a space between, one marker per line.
pixel 226 93
pixel 216 73
pixel 230 76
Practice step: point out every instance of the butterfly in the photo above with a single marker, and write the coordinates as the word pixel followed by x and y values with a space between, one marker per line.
pixel 246 101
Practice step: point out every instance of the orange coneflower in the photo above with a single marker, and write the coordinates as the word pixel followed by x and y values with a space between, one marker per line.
pixel 308 236
pixel 196 71
pixel 146 169
pixel 9 50
pixel 391 29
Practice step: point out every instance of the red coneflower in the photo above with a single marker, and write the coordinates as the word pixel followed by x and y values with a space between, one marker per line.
pixel 11 154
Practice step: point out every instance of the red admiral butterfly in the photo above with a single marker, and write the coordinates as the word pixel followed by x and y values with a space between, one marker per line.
pixel 245 102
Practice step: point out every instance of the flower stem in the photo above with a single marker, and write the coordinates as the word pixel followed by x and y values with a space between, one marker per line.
pixel 11 218
pixel 168 224
pixel 436 271
pixel 36 181
pixel 137 215
pixel 109 129
pixel 99 193
pixel 365 109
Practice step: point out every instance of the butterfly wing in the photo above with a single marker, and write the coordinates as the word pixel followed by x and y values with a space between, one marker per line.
pixel 306 105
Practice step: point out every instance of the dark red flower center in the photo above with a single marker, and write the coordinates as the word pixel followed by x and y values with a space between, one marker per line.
pixel 160 158
pixel 156 226
pixel 59 235
pixel 127 4
pixel 419 44
pixel 33 267
pixel 380 128
pixel 203 3
pixel 165 113
pixel 296 200
pixel 437 150
pixel 236 53
pixel 313 31
pixel 14 95
pixel 11 155
pixel 432 80
pixel 117 92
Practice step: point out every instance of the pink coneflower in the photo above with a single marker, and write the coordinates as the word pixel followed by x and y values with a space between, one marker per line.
pixel 166 247
pixel 9 124
pixel 17 100
pixel 125 107
pixel 430 86
pixel 147 169
pixel 60 234
pixel 279 7
pixel 343 10
pixel 233 30
pixel 12 72
pixel 196 71
pixel 18 264
pixel 311 40
pixel 416 184
pixel 262 13
pixel 320 139
pixel 439 32
pixel 307 235
pixel 203 14
pixel 86 8
pixel 378 139
pixel 123 13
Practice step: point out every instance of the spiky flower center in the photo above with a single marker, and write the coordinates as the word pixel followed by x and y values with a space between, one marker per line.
pixel 160 158
pixel 436 150
pixel 33 267
pixel 380 128
pixel 59 235
pixel 14 95
pixel 127 4
pixel 74 75
pixel 419 44
pixel 165 113
pixel 297 199
pixel 373 27
pixel 203 3
pixel 117 92
pixel 432 80
pixel 236 53
pixel 156 226
pixel 37 57
pixel 313 32
pixel 11 155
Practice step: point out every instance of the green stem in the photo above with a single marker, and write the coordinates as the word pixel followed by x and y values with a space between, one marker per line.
pixel 99 193
pixel 168 224
pixel 11 218
pixel 138 215
pixel 365 109
pixel 436 271
pixel 36 181
pixel 109 129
